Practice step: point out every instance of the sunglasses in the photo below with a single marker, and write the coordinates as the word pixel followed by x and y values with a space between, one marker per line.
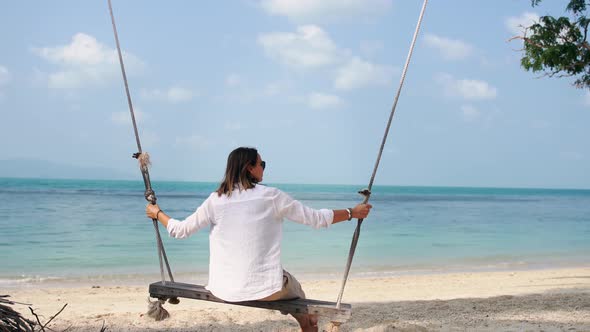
pixel 263 164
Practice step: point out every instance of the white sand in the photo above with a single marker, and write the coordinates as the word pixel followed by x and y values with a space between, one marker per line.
pixel 537 300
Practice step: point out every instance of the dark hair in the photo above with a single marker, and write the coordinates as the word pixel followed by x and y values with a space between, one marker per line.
pixel 236 171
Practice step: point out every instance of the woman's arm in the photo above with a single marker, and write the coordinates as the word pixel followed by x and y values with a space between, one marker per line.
pixel 289 208
pixel 181 229
pixel 360 211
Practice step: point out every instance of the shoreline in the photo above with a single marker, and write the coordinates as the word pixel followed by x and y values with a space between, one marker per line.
pixel 139 279
pixel 550 299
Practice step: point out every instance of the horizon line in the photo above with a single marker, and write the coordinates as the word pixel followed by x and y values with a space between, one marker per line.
pixel 305 184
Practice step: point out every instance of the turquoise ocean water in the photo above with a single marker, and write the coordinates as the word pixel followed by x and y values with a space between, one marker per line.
pixel 81 231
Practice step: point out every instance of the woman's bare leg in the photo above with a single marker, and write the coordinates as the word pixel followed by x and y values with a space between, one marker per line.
pixel 308 323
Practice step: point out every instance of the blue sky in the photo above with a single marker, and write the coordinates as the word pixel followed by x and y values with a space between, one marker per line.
pixel 309 83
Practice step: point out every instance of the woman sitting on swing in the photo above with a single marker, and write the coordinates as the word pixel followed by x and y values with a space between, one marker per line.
pixel 246 232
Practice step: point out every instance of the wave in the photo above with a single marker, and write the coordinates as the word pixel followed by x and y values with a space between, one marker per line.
pixel 26 279
pixel 127 279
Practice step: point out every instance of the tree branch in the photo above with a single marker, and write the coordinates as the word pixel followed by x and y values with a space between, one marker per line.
pixel 52 317
pixel 37 317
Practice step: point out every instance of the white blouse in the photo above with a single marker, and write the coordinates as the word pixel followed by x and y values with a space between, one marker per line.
pixel 245 239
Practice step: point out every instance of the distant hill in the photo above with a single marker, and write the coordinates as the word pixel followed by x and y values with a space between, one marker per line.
pixel 30 168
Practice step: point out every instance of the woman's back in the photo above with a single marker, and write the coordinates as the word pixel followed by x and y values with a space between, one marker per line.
pixel 245 244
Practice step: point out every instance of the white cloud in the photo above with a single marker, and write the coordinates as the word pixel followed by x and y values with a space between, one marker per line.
pixel 470 113
pixel 517 24
pixel 195 142
pixel 124 117
pixel 173 95
pixel 369 48
pixel 309 47
pixel 318 10
pixel 358 73
pixel 233 126
pixel 451 49
pixel 83 62
pixel 233 80
pixel 149 139
pixel 475 89
pixel 5 76
pixel 320 101
pixel 466 88
pixel 572 156
pixel 83 50
pixel 273 89
pixel 178 95
pixel 540 124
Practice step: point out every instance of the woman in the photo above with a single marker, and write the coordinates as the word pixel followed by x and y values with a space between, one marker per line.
pixel 245 220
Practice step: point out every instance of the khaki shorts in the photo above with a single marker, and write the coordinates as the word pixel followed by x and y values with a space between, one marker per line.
pixel 291 290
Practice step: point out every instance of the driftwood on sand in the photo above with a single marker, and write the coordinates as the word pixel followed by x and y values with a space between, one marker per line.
pixel 11 320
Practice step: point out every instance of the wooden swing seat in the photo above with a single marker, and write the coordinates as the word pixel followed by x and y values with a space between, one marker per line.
pixel 168 289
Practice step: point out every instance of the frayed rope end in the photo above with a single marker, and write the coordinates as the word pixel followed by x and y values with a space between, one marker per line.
pixel 156 310
pixel 144 160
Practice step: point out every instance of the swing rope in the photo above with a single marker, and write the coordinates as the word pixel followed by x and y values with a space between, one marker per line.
pixel 367 192
pixel 143 158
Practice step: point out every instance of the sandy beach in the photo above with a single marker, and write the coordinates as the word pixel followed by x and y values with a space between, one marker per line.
pixel 532 300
